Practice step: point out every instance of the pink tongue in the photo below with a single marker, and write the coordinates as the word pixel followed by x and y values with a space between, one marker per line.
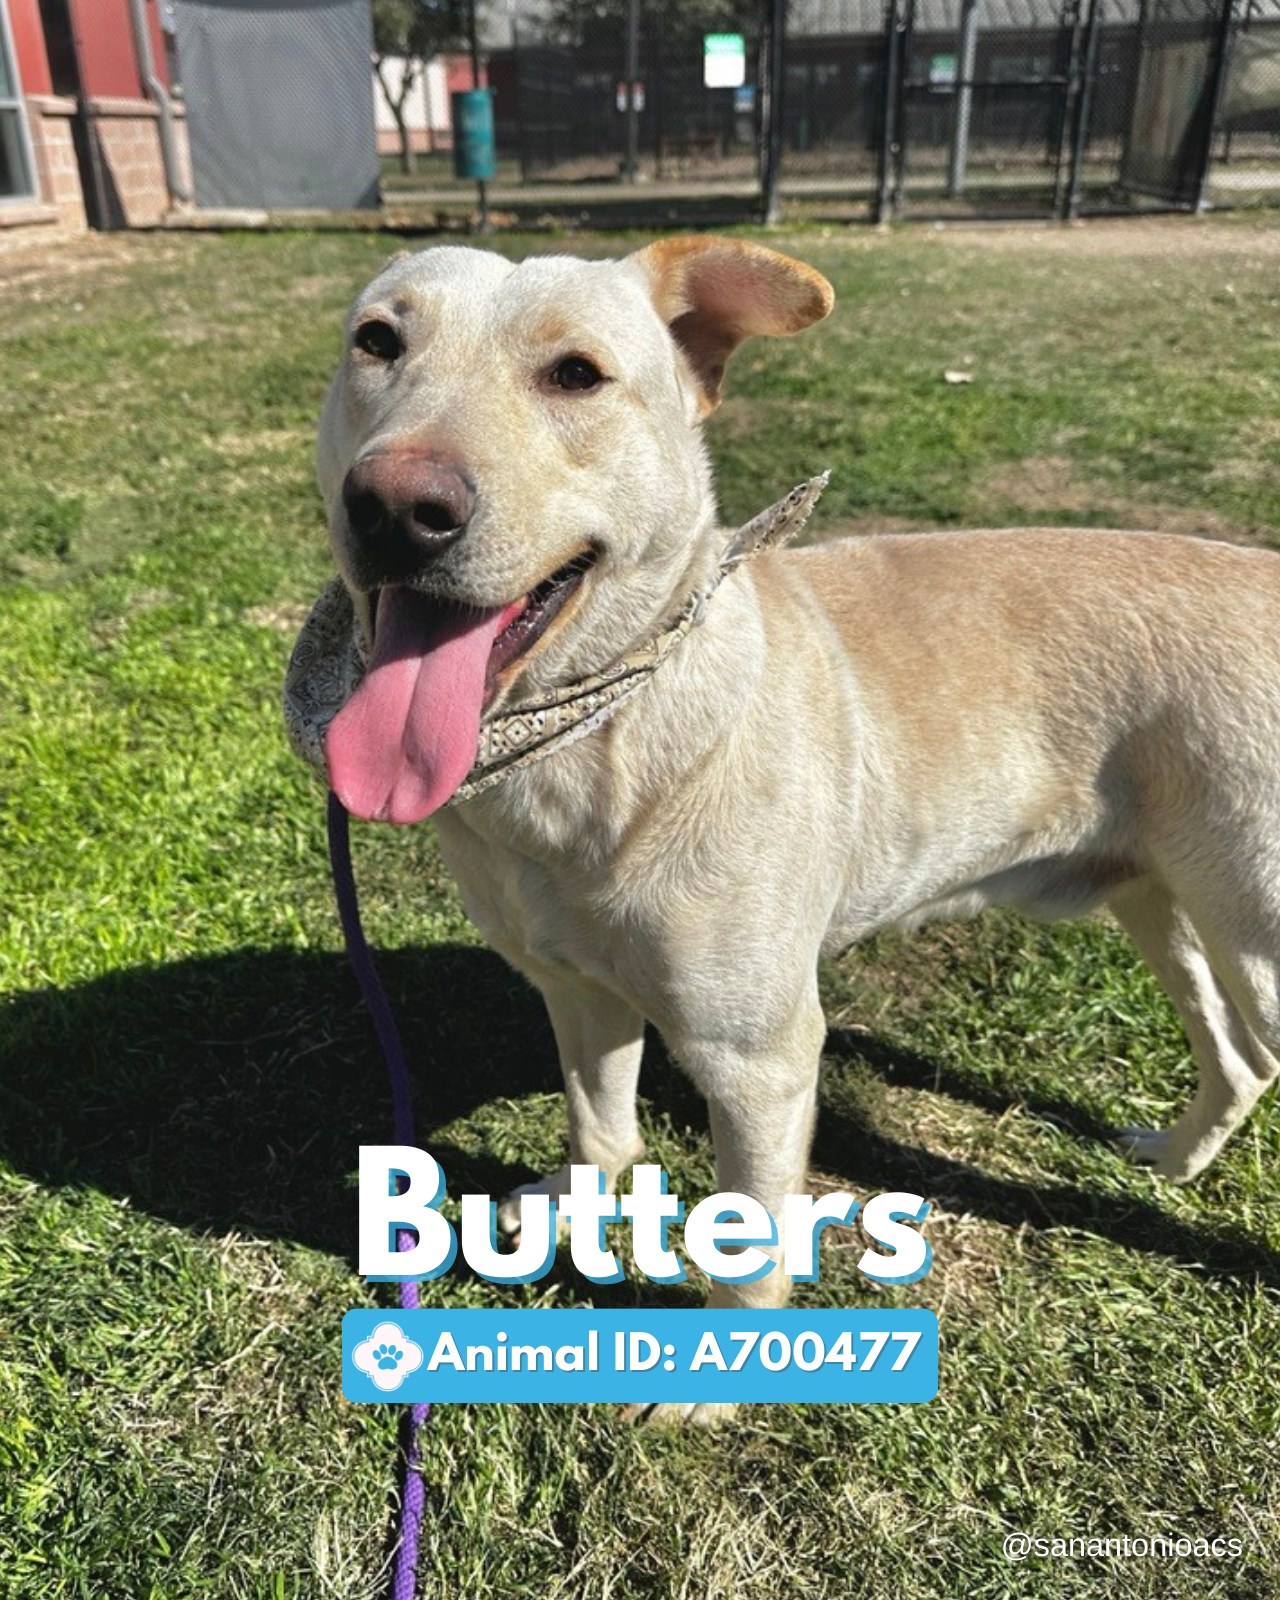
pixel 407 738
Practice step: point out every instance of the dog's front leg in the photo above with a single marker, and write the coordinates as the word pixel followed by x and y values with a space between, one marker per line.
pixel 762 1100
pixel 600 1039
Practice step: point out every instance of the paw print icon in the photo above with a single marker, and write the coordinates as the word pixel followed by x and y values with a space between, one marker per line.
pixel 388 1355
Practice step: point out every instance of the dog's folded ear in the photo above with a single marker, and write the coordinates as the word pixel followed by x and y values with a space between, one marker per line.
pixel 713 293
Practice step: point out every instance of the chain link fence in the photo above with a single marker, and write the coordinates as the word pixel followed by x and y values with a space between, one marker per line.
pixel 561 99
pixel 918 108
pixel 1245 154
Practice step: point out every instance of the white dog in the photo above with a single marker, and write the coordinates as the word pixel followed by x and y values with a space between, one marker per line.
pixel 740 773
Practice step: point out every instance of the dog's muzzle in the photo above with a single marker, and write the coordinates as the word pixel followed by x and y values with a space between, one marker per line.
pixel 331 655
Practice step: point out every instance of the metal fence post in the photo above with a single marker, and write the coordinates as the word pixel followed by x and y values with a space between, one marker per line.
pixel 631 163
pixel 473 43
pixel 888 115
pixel 1226 33
pixel 966 65
pixel 1084 101
pixel 771 110
pixel 1070 95
pixel 1245 20
pixel 517 74
pixel 907 26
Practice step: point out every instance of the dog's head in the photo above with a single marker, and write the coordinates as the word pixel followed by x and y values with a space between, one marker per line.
pixel 515 480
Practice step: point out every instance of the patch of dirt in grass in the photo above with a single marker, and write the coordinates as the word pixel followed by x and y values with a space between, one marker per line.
pixel 260 442
pixel 320 285
pixel 972 1256
pixel 897 975
pixel 971 1253
pixel 1050 484
pixel 30 266
pixel 108 629
pixel 868 523
pixel 1258 457
pixel 1047 487
pixel 1172 237
pixel 287 618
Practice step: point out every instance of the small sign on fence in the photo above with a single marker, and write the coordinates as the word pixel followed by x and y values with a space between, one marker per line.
pixel 620 96
pixel 724 60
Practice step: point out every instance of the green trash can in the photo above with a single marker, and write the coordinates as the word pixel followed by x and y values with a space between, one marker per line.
pixel 474 155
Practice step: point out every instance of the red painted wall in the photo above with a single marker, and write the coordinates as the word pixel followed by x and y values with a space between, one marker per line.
pixel 104 45
pixel 457 71
pixel 28 43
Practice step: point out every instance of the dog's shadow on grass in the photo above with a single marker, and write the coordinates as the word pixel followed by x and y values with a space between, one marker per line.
pixel 230 1093
pixel 873 1161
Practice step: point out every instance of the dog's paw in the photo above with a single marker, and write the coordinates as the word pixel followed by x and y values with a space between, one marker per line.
pixel 555 1185
pixel 1159 1149
pixel 668 1414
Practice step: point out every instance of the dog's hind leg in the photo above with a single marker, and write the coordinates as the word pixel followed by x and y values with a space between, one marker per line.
pixel 1234 1067
pixel 600 1039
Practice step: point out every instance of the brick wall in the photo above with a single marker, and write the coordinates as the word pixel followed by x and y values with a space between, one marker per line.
pixel 124 137
pixel 57 175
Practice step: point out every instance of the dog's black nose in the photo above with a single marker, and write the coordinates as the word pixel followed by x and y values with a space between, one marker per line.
pixel 405 506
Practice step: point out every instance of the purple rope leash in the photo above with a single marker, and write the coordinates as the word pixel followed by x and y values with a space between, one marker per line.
pixel 413 1494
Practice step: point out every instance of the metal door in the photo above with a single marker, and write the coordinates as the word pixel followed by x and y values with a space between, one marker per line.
pixel 984 100
pixel 1181 44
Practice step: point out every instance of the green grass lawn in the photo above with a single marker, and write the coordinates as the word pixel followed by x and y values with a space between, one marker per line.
pixel 185 1070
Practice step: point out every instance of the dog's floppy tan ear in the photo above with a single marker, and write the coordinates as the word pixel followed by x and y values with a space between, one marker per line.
pixel 713 293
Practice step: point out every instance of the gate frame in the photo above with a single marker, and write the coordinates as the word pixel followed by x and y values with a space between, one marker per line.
pixel 1228 29
pixel 773 46
pixel 1225 29
pixel 899 26
pixel 1086 27
pixel 1076 86
pixel 1084 73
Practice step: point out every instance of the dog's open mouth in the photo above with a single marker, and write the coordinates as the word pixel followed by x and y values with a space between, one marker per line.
pixel 406 740
pixel 540 607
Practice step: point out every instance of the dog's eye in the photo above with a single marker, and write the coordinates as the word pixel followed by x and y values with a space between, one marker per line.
pixel 576 372
pixel 380 340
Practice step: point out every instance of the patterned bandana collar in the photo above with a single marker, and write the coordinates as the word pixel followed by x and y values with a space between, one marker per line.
pixel 330 657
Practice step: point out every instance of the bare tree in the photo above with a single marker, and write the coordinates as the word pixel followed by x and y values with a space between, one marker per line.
pixel 412 32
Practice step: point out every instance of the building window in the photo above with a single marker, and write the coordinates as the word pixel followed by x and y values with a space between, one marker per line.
pixel 16 177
